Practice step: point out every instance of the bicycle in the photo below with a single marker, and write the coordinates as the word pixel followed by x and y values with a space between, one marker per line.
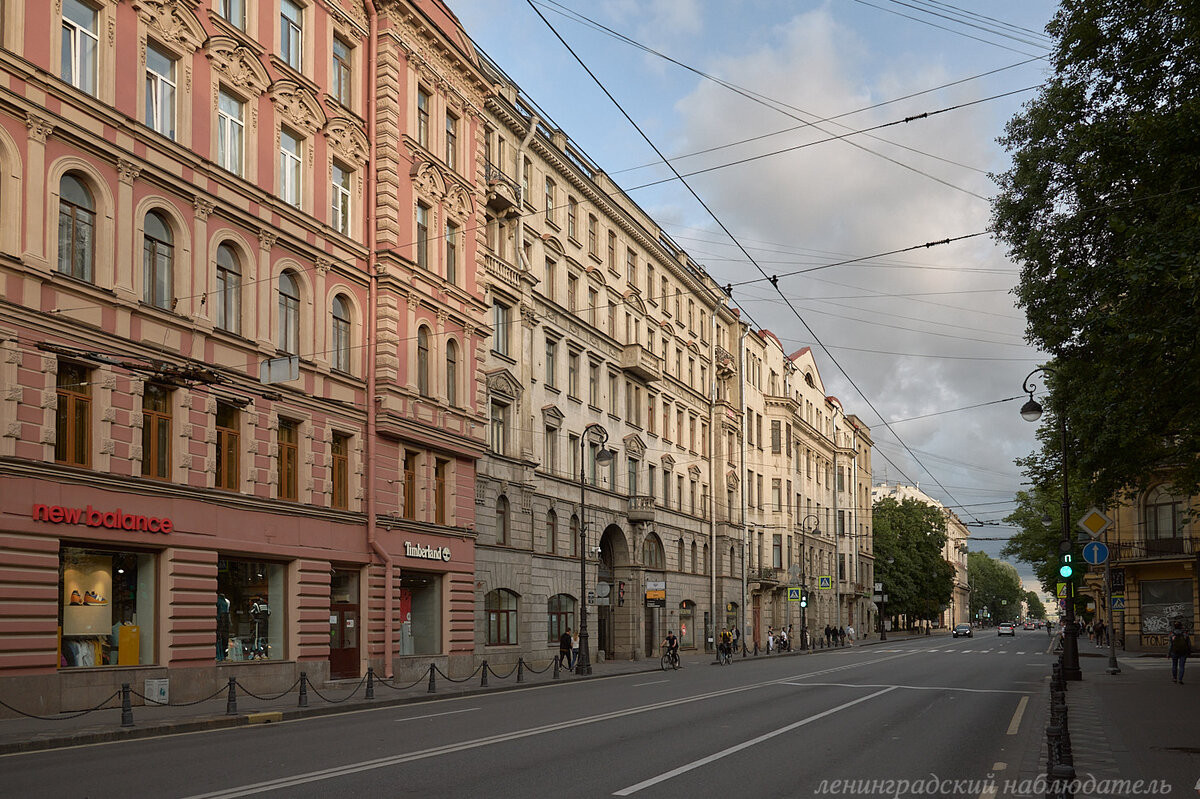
pixel 724 654
pixel 670 659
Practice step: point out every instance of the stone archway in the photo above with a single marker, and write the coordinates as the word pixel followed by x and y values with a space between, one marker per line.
pixel 613 619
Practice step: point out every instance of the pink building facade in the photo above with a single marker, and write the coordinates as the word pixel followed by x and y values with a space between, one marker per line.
pixel 239 337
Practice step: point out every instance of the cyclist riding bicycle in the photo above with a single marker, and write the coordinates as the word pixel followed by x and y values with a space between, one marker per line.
pixel 672 645
pixel 726 642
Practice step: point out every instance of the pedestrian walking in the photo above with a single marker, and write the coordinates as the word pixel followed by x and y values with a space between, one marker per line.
pixel 850 634
pixel 1179 647
pixel 737 637
pixel 770 639
pixel 784 644
pixel 564 649
pixel 574 650
pixel 828 635
pixel 841 636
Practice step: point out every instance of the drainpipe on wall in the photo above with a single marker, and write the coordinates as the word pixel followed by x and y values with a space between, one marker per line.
pixel 373 341
pixel 711 388
pixel 742 467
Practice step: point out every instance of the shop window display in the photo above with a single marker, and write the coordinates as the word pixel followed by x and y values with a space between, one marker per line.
pixel 420 614
pixel 249 610
pixel 106 608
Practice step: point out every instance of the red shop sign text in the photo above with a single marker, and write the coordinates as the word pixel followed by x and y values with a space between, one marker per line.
pixel 112 520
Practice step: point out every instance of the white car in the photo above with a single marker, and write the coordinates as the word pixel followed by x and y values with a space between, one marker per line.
pixel 1006 628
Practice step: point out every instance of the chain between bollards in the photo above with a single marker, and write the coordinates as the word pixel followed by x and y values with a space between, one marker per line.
pixel 556 661
pixel 432 684
pixel 304 689
pixel 231 702
pixel 126 707
pixel 370 683
pixel 520 669
pixel 483 679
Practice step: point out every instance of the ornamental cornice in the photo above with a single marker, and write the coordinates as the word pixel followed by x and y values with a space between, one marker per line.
pixel 238 64
pixel 298 105
pixel 348 140
pixel 173 22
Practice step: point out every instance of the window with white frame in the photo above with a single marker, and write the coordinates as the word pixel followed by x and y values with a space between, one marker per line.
pixel 423 103
pixel 451 252
pixel 230 131
pixel 340 203
pixel 291 33
pixel 289 314
pixel 158 262
pixel 451 141
pixel 234 12
pixel 341 334
pixel 229 290
pixel 500 313
pixel 342 72
pixel 289 167
pixel 80 44
pixel 160 91
pixel 423 235
pixel 76 228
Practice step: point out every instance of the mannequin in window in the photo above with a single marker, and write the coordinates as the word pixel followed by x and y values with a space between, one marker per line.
pixel 222 626
pixel 260 613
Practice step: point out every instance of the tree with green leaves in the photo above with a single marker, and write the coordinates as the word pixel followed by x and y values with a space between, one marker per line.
pixel 909 540
pixel 1038 518
pixel 1033 602
pixel 996 590
pixel 1100 207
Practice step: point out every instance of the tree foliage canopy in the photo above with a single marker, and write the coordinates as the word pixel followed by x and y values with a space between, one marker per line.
pixel 1037 610
pixel 995 587
pixel 909 539
pixel 1101 208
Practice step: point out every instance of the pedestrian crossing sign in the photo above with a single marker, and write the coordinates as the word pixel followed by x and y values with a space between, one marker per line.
pixel 1118 603
pixel 1062 590
pixel 825 581
pixel 793 595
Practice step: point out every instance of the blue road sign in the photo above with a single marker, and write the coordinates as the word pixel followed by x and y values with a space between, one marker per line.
pixel 1118 603
pixel 793 595
pixel 1095 552
pixel 825 582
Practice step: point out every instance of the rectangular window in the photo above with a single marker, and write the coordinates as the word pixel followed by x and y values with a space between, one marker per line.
pixel 289 167
pixel 423 235
pixel 408 485
pixel 339 475
pixel 290 33
pixel 107 602
pixel 651 419
pixel 251 607
pixel 451 141
pixel 593 385
pixel 499 327
pixel 572 293
pixel 612 251
pixel 441 493
pixel 573 374
pixel 551 280
pixel 551 362
pixel 230 132
pixel 549 200
pixel 592 243
pixel 421 634
pixel 593 300
pixel 777 551
pixel 80 44
pixel 572 217
pixel 423 103
pixel 499 428
pixel 289 441
pixel 156 432
pixel 613 394
pixel 340 193
pixel 160 91
pixel 228 448
pixel 73 416
pixel 631 267
pixel 234 12
pixel 342 84
pixel 550 461
pixel 776 437
pixel 451 252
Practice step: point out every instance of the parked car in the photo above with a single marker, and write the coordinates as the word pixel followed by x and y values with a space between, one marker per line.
pixel 1028 625
pixel 962 629
pixel 1006 628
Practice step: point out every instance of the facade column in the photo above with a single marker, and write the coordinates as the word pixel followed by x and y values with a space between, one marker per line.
pixel 34 252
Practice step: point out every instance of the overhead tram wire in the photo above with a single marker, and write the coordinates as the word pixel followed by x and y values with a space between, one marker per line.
pixel 985 18
pixel 1019 39
pixel 950 30
pixel 733 238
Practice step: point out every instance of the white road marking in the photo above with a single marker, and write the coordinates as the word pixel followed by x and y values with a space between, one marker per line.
pixel 652 682
pixel 435 715
pixel 632 789
pixel 909 687
pixel 1015 724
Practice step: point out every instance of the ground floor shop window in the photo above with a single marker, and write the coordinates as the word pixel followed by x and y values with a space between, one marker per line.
pixel 420 614
pixel 106 607
pixel 500 607
pixel 1165 602
pixel 687 629
pixel 250 610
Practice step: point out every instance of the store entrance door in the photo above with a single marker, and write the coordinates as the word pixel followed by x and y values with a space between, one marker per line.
pixel 343 641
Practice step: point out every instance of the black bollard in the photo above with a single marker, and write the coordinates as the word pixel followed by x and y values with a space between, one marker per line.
pixel 303 689
pixel 520 669
pixel 432 687
pixel 126 707
pixel 556 668
pixel 483 680
pixel 370 682
pixel 231 701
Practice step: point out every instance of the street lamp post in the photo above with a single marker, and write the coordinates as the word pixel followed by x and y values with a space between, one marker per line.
pixel 603 456
pixel 883 608
pixel 816 530
pixel 1031 411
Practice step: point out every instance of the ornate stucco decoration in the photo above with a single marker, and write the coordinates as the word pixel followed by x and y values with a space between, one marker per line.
pixel 552 416
pixel 634 445
pixel 347 140
pixel 503 384
pixel 298 105
pixel 172 21
pixel 238 64
pixel 428 179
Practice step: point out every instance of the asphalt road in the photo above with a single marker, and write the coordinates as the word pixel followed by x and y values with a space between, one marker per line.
pixel 958 709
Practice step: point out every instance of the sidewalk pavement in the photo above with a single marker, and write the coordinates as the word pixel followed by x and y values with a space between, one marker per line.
pixel 24 734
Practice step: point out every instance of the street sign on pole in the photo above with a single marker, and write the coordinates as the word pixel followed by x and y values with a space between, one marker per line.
pixel 1062 591
pixel 1118 603
pixel 1094 522
pixel 793 595
pixel 1095 552
pixel 825 582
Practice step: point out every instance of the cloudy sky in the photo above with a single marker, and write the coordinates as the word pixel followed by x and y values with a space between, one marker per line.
pixel 925 333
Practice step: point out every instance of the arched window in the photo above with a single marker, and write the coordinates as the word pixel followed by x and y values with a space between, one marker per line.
pixel 76 229
pixel 679 555
pixel 502 520
pixel 423 361
pixel 452 373
pixel 652 553
pixel 289 314
pixel 560 611
pixel 574 535
pixel 705 566
pixel 500 607
pixel 1165 518
pixel 341 334
pixel 694 570
pixel 551 530
pixel 229 290
pixel 732 562
pixel 158 262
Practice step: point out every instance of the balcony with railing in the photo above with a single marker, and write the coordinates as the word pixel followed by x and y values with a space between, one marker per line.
pixel 1154 548
pixel 502 270
pixel 726 363
pixel 503 192
pixel 641 509
pixel 767 576
pixel 641 362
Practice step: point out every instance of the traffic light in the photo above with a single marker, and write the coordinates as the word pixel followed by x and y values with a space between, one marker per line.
pixel 621 593
pixel 803 599
pixel 1066 560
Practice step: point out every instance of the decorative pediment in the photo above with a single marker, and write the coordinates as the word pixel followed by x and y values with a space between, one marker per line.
pixel 553 245
pixel 172 22
pixel 634 445
pixel 731 480
pixel 694 471
pixel 668 463
pixel 298 105
pixel 237 64
pixel 693 347
pixel 633 299
pixel 552 416
pixel 428 179
pixel 347 140
pixel 596 275
pixel 459 201
pixel 503 384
